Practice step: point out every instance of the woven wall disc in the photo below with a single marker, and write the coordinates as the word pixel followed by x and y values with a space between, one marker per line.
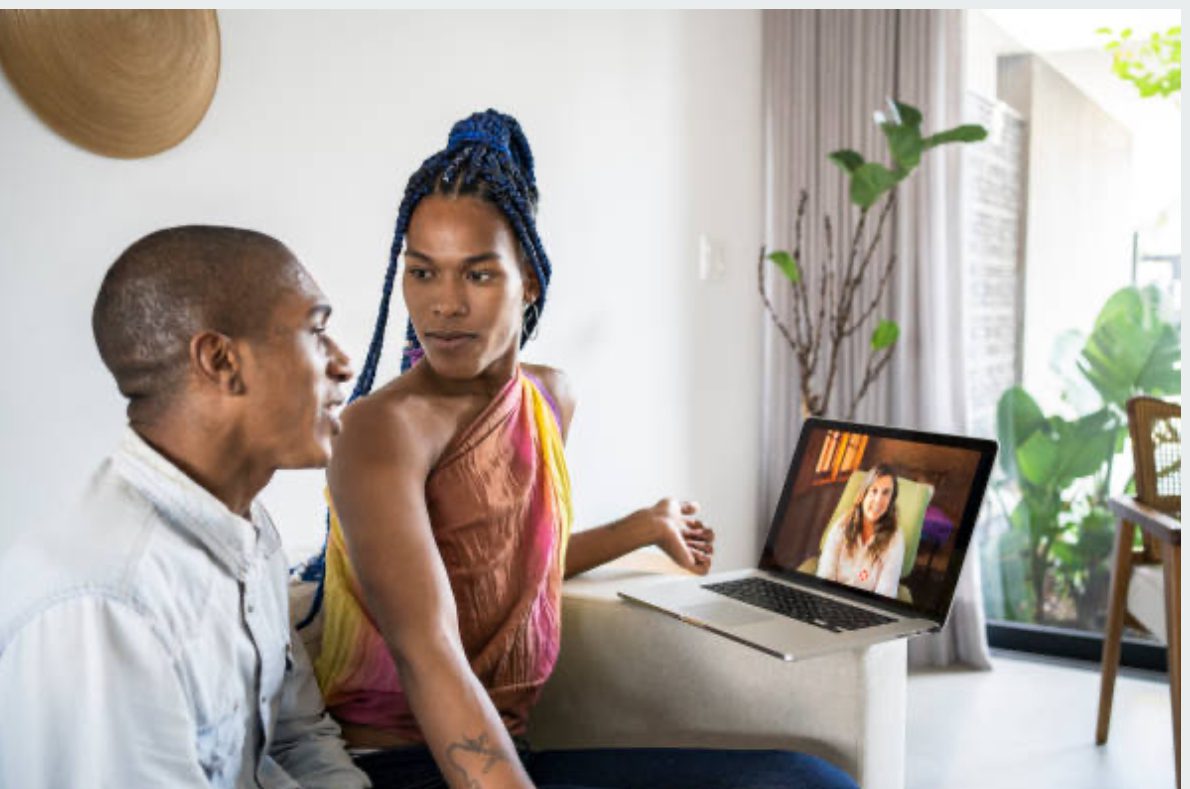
pixel 126 83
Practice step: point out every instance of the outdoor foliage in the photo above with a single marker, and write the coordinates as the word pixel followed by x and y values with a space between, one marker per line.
pixel 1153 64
pixel 1058 472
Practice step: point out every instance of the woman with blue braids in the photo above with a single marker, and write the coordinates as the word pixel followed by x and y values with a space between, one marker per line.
pixel 451 512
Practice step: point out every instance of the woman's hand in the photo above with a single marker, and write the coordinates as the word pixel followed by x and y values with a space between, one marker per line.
pixel 686 539
pixel 671 524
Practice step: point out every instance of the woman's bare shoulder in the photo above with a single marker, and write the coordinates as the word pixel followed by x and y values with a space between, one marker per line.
pixel 401 420
pixel 558 385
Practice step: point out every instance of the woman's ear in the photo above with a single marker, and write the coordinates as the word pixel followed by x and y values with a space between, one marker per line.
pixel 531 288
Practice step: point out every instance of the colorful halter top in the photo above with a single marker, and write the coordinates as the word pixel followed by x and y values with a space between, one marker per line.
pixel 500 509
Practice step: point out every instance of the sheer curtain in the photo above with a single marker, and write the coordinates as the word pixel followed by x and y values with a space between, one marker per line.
pixel 825 74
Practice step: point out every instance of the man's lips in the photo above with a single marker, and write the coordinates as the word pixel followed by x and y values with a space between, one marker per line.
pixel 330 410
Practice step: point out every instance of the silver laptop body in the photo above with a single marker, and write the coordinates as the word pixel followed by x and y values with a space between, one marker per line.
pixel 941 482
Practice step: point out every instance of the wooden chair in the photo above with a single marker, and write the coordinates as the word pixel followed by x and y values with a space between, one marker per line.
pixel 1156 430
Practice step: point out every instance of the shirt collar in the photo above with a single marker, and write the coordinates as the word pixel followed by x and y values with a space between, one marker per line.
pixel 233 540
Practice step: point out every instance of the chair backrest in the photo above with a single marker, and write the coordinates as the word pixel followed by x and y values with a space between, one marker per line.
pixel 912 500
pixel 1156 430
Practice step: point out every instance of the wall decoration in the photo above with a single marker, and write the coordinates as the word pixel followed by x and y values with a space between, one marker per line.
pixel 120 83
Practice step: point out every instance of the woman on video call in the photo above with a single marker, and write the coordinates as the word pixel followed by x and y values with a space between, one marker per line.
pixel 864 548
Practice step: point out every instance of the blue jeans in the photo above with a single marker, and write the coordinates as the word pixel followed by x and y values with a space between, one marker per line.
pixel 626 768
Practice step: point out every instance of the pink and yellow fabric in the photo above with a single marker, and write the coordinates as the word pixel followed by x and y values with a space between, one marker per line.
pixel 500 509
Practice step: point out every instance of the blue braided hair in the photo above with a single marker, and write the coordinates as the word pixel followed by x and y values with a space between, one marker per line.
pixel 488 157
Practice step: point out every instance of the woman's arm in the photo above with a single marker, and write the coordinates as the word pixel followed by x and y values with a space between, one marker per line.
pixel 828 562
pixel 890 566
pixel 377 481
pixel 669 524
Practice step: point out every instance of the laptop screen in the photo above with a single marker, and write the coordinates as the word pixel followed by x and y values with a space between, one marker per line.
pixel 886 514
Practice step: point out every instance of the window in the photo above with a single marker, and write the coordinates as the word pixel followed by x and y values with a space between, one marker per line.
pixel 1075 196
pixel 841 454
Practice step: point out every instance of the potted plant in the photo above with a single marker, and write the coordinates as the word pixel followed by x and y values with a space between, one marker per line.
pixel 820 326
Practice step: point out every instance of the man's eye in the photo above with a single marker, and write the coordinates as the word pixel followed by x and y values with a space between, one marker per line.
pixel 481 275
pixel 417 273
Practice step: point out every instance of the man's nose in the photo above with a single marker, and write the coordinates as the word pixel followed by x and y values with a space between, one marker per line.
pixel 339 364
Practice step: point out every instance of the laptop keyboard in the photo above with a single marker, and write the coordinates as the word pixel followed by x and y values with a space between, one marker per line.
pixel 797 604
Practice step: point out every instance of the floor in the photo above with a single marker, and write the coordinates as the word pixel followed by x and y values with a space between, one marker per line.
pixel 1030 722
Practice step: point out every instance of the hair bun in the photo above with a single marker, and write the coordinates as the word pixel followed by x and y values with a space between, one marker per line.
pixel 497 131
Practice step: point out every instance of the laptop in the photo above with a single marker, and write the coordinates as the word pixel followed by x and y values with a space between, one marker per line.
pixel 867 543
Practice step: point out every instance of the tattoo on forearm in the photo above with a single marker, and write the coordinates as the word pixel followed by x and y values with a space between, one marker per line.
pixel 474 746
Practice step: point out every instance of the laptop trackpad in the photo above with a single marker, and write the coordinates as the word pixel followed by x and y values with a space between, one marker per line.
pixel 726 614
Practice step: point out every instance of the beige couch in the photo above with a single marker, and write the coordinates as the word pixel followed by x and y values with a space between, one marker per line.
pixel 628 677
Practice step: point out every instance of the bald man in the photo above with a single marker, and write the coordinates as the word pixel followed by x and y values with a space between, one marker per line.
pixel 146 642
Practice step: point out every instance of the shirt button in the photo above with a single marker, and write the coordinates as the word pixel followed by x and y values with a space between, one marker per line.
pixel 264 700
pixel 251 608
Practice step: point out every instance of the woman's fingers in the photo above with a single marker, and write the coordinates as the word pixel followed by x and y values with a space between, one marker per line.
pixel 697 530
pixel 702 561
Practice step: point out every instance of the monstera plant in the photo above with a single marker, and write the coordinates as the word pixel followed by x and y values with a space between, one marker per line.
pixel 818 331
pixel 1059 471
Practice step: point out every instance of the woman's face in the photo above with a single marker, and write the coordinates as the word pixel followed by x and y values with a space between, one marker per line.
pixel 877 498
pixel 463 285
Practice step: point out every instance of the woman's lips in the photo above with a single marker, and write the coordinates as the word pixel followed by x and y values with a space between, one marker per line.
pixel 448 340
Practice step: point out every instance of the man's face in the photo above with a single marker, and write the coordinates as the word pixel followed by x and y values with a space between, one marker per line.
pixel 293 377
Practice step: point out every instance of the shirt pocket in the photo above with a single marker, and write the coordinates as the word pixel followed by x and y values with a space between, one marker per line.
pixel 221 746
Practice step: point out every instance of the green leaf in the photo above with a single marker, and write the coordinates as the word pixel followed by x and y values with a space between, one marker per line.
pixel 1037 458
pixel 788 265
pixel 1017 418
pixel 847 159
pixel 968 132
pixel 1065 553
pixel 869 181
pixel 1084 446
pixel 910 115
pixel 1162 371
pixel 1132 348
pixel 1124 304
pixel 905 145
pixel 1020 518
pixel 885 334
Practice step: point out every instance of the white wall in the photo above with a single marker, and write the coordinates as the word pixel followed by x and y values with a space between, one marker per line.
pixel 647 132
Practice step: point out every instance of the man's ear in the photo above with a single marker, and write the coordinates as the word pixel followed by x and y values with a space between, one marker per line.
pixel 217 361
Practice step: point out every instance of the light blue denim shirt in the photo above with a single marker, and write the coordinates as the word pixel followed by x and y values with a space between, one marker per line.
pixel 147 643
